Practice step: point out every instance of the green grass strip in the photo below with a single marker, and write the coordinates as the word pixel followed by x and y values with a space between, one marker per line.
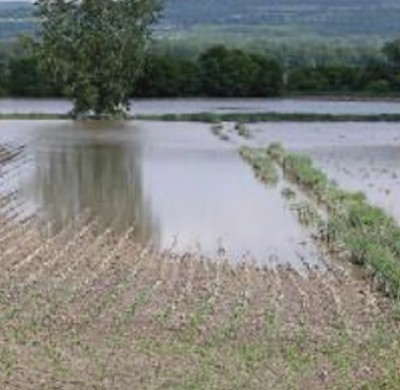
pixel 270 117
pixel 208 117
pixel 33 116
pixel 367 234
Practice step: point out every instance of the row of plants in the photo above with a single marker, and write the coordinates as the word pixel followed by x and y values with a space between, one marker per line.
pixel 364 233
pixel 251 117
pixel 239 118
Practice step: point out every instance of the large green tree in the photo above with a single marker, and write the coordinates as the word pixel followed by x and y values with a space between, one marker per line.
pixel 95 48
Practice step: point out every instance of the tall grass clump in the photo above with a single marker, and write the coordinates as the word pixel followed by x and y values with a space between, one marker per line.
pixel 301 170
pixel 264 166
pixel 276 151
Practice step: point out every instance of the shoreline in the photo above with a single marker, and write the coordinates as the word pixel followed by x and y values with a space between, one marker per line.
pixel 345 97
pixel 208 117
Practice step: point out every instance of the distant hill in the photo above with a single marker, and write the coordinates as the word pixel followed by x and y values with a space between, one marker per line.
pixel 15 18
pixel 338 18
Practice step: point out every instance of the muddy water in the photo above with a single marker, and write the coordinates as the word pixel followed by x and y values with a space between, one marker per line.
pixel 358 156
pixel 181 106
pixel 176 183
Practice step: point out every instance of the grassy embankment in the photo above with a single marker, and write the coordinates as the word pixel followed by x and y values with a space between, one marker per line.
pixel 231 117
pixel 92 309
pixel 365 234
pixel 31 116
pixel 271 117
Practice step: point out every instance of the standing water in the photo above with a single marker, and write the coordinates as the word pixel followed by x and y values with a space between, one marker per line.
pixel 177 184
pixel 188 106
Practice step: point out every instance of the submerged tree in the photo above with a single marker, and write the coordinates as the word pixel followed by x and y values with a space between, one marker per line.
pixel 95 48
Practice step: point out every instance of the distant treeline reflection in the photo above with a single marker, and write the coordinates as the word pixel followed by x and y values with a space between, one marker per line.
pixel 224 72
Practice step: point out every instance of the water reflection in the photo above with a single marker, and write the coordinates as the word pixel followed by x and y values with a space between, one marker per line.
pixel 76 170
pixel 176 182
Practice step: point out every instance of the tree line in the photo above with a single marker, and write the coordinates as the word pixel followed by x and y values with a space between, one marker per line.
pixel 222 72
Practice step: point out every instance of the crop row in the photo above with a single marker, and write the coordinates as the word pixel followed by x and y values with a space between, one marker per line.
pixel 366 234
pixel 123 311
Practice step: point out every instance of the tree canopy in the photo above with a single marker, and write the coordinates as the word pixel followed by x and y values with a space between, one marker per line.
pixel 95 49
pixel 234 73
pixel 221 72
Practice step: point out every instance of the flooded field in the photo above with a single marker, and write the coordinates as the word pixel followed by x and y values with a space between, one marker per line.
pixel 177 184
pixel 188 106
pixel 86 303
pixel 184 189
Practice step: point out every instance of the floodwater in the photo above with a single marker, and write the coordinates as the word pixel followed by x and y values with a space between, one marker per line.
pixel 184 189
pixel 177 184
pixel 182 106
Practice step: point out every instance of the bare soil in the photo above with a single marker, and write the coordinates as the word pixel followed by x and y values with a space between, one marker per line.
pixel 89 311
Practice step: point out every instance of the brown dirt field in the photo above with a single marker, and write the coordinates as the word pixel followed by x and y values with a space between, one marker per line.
pixel 96 311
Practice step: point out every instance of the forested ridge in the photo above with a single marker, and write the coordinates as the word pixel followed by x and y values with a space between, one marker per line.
pixel 379 17
pixel 338 18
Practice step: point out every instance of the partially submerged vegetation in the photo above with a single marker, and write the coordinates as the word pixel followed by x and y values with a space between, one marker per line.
pixel 218 130
pixel 217 119
pixel 93 50
pixel 262 164
pixel 33 116
pixel 242 130
pixel 354 229
pixel 368 234
pixel 209 117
